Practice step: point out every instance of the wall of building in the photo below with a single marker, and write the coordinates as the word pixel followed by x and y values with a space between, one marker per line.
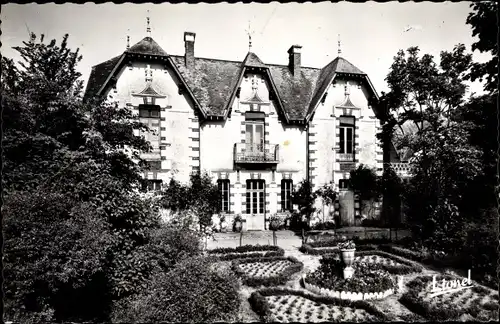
pixel 324 134
pixel 218 145
pixel 179 126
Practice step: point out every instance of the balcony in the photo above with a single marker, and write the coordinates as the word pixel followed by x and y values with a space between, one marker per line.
pixel 256 153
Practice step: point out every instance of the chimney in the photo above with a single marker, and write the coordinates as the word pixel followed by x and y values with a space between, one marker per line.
pixel 189 45
pixel 294 59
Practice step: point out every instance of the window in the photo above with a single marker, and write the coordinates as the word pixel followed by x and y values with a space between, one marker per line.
pixel 344 184
pixel 254 136
pixel 224 192
pixel 286 194
pixel 346 143
pixel 255 197
pixel 152 185
pixel 150 116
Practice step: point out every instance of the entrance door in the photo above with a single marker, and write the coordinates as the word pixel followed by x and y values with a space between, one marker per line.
pixel 346 200
pixel 254 138
pixel 256 204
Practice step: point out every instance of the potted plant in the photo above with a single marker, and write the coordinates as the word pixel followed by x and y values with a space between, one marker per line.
pixel 275 223
pixel 238 223
pixel 347 249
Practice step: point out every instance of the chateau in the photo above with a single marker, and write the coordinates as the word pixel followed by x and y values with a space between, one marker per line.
pixel 258 129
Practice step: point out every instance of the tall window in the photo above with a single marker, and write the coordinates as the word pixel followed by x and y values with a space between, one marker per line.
pixel 254 136
pixel 255 197
pixel 346 135
pixel 224 192
pixel 150 116
pixel 286 194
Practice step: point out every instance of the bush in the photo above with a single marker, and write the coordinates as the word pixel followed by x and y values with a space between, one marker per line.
pixel 194 291
pixel 328 225
pixel 367 277
pixel 372 222
pixel 278 280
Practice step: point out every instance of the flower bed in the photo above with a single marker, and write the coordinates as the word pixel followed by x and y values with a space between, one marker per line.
pixel 286 305
pixel 246 251
pixel 475 304
pixel 388 262
pixel 266 271
pixel 368 281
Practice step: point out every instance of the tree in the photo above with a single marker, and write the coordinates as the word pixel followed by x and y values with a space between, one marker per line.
pixel 482 19
pixel 328 196
pixel 364 182
pixel 74 222
pixel 305 198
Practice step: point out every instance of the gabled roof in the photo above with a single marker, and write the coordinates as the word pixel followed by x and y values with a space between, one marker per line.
pixel 213 83
pixel 253 60
pixel 339 66
pixel 98 76
pixel 147 46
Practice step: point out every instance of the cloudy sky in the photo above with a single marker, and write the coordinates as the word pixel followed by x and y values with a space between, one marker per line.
pixel 370 33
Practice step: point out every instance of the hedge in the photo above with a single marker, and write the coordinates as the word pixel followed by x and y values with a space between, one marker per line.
pixel 261 306
pixel 280 279
pixel 308 248
pixel 240 252
pixel 439 312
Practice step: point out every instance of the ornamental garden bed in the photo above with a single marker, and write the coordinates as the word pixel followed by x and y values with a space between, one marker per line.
pixel 369 281
pixel 389 262
pixel 331 246
pixel 470 304
pixel 286 305
pixel 246 251
pixel 266 271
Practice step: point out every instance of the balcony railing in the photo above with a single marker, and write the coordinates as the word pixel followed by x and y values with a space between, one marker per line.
pixel 256 153
pixel 345 157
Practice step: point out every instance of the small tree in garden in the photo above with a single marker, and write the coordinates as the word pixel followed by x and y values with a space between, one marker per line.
pixel 328 196
pixel 192 203
pixel 392 191
pixel 305 197
pixel 365 183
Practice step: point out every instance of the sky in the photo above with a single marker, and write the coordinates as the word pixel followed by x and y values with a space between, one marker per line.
pixel 371 33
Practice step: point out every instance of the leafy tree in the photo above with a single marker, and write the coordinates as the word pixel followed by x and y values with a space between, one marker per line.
pixel 364 182
pixel 327 195
pixel 482 19
pixel 392 191
pixel 305 198
pixel 74 222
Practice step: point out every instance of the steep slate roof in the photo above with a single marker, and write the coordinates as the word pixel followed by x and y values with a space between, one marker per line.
pixel 213 82
pixel 147 46
pixel 328 73
pixel 98 76
pixel 295 91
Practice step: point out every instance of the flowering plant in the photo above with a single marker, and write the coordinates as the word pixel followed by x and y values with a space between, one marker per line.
pixel 347 245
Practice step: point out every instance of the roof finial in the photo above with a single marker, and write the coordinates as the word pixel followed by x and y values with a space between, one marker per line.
pixel 249 33
pixel 128 38
pixel 148 29
pixel 340 50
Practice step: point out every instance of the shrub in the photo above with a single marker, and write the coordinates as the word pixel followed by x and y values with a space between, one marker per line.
pixel 194 291
pixel 368 277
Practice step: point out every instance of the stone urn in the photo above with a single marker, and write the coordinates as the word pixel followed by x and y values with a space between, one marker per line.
pixel 347 256
pixel 348 272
